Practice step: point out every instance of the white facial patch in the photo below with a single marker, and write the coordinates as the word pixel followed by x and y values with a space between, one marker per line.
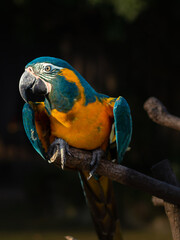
pixel 52 66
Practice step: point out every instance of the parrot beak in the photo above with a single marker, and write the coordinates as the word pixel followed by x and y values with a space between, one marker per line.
pixel 31 88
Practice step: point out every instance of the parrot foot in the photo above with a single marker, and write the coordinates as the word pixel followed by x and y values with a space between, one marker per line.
pixel 96 157
pixel 58 147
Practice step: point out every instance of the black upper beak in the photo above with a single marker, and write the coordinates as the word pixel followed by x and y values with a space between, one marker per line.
pixel 31 88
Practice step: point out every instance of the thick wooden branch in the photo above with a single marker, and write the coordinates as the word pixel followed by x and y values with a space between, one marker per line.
pixel 163 171
pixel 80 160
pixel 159 114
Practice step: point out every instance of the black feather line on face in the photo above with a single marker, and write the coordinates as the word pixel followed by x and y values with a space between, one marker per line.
pixel 39 70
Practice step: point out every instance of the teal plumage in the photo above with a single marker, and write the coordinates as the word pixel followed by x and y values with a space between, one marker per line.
pixel 30 129
pixel 122 121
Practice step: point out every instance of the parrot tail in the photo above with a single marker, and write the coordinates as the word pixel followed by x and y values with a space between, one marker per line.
pixel 101 201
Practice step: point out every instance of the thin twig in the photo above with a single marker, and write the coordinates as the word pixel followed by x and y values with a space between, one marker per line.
pixel 159 114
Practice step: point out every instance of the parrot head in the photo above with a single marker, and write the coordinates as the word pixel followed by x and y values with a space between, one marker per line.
pixel 37 80
pixel 55 82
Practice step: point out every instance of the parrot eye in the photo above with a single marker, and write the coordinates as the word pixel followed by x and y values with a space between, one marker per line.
pixel 47 68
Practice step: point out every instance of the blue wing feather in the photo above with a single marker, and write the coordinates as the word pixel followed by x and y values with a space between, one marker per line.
pixel 123 126
pixel 30 129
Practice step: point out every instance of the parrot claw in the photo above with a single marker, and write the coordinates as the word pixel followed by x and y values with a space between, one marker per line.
pixel 96 157
pixel 58 147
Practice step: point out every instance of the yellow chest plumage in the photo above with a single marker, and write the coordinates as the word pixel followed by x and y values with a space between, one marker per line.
pixel 86 127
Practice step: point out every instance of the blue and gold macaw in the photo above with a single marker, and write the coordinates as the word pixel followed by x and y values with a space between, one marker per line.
pixel 62 109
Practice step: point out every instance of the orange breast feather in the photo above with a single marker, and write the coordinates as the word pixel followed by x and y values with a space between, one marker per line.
pixel 87 127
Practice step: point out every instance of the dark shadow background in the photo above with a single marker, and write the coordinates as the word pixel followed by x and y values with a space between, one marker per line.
pixel 126 47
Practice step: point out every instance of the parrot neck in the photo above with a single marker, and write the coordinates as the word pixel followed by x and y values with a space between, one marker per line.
pixel 90 94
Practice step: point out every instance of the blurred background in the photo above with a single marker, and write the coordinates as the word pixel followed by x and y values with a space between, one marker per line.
pixel 121 47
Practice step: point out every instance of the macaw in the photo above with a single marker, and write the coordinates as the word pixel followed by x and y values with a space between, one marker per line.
pixel 62 109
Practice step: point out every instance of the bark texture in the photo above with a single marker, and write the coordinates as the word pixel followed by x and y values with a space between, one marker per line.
pixel 80 160
pixel 159 114
pixel 164 172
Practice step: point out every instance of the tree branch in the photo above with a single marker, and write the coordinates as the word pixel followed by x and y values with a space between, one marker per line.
pixel 80 160
pixel 163 171
pixel 157 202
pixel 159 114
